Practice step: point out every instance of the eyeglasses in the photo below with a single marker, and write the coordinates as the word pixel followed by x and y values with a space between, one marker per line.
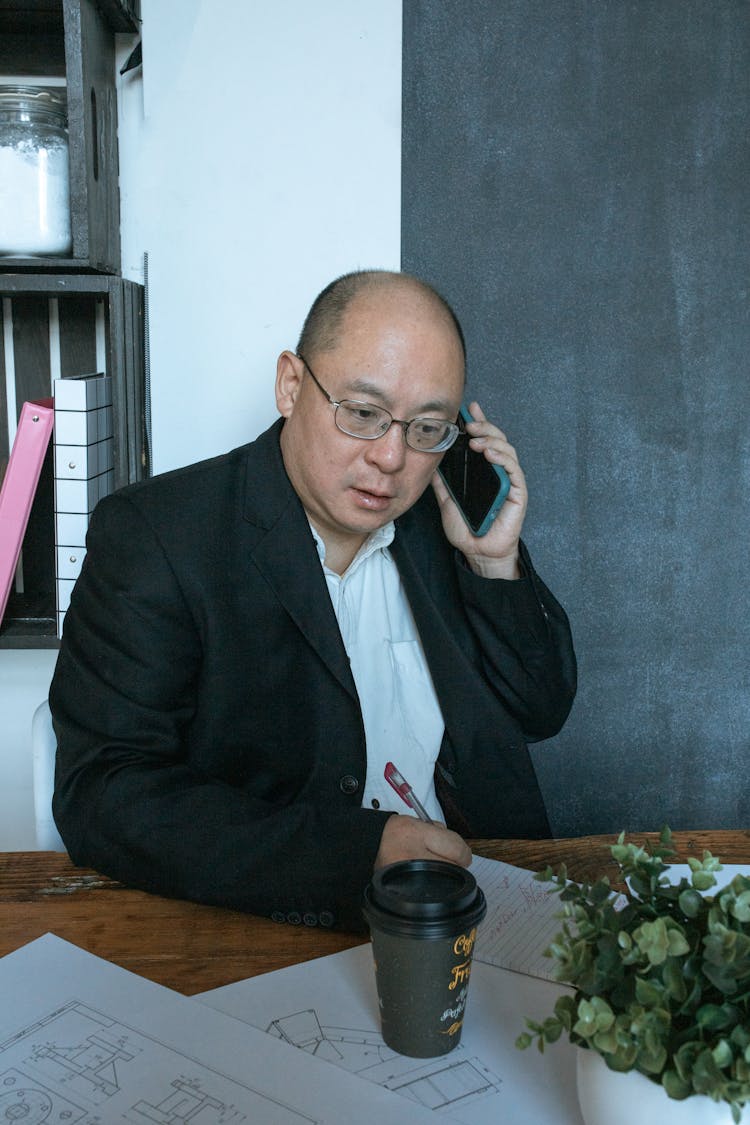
pixel 364 420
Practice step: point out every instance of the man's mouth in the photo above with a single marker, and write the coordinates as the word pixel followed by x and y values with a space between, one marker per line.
pixel 374 500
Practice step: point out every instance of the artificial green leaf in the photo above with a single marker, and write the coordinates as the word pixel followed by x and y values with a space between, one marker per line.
pixel 600 891
pixel 722 1053
pixel 596 1014
pixel 623 1059
pixel 674 979
pixel 706 1073
pixel 605 1041
pixel 721 977
pixel 640 885
pixel 677 943
pixel 691 903
pixel 648 992
pixel 740 1034
pixel 565 1010
pixel 657 940
pixel 652 1060
pixel 740 908
pixel 713 1017
pixel 675 1086
pixel 552 1030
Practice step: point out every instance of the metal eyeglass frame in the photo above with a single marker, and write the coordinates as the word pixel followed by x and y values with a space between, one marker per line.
pixel 452 427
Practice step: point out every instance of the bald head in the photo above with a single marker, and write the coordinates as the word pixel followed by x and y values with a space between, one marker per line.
pixel 322 328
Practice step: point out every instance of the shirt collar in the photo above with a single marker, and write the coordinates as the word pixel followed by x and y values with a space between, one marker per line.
pixel 377 540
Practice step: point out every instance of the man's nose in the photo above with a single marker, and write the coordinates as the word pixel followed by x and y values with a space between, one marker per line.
pixel 389 451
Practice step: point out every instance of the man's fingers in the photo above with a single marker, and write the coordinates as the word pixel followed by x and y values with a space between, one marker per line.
pixel 405 837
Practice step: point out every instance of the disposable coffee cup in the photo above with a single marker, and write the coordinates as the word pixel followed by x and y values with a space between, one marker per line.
pixel 423 916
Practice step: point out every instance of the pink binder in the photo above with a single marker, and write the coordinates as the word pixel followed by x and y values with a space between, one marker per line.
pixel 19 485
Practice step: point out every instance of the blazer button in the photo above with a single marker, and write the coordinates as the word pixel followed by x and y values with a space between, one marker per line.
pixel 348 784
pixel 326 918
pixel 277 916
pixel 310 919
pixel 294 918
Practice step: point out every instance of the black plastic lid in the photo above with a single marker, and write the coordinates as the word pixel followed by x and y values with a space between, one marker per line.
pixel 429 892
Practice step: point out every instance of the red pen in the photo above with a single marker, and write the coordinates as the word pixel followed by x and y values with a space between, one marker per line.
pixel 405 791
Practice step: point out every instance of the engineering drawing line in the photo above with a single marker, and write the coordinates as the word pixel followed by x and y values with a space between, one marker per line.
pixel 25 1100
pixel 186 1102
pixel 76 1064
pixel 436 1084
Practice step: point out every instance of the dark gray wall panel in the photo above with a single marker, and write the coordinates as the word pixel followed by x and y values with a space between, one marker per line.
pixel 575 180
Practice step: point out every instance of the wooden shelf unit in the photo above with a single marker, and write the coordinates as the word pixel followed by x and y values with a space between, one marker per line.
pixel 64 316
pixel 74 40
pixel 64 325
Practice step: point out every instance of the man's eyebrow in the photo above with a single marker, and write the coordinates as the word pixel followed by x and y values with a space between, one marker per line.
pixel 369 390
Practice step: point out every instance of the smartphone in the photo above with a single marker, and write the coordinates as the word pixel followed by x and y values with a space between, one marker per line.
pixel 477 487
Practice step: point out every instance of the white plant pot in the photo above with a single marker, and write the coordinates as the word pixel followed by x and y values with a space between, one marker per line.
pixel 607 1097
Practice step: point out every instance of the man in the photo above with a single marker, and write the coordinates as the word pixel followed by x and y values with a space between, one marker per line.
pixel 253 637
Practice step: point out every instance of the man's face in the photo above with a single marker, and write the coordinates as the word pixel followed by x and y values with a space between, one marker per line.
pixel 396 351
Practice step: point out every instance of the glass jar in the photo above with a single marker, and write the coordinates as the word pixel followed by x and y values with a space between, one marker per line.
pixel 34 174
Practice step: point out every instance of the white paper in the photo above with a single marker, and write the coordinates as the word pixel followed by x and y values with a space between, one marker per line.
pixel 522 918
pixel 84 1042
pixel 328 1008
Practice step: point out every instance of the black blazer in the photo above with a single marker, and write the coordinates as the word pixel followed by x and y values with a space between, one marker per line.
pixel 210 741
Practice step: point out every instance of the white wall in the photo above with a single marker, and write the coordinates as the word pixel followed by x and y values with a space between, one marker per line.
pixel 260 156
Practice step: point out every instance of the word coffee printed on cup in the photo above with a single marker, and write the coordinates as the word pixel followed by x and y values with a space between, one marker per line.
pixel 462 947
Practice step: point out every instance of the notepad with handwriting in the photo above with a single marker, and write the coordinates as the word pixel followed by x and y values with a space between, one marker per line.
pixel 522 918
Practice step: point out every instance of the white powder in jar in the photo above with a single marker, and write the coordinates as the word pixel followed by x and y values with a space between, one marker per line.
pixel 34 199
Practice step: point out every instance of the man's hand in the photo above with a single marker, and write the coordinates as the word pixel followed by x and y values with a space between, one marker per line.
pixel 405 837
pixel 494 555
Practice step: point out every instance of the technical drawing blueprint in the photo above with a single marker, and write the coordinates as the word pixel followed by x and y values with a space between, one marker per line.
pixel 448 1082
pixel 83 1042
pixel 77 1060
pixel 328 1008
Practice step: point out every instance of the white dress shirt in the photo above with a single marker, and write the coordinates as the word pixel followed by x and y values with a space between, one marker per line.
pixel 400 710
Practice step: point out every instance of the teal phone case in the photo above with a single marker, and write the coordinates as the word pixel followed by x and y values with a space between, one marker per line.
pixel 477 487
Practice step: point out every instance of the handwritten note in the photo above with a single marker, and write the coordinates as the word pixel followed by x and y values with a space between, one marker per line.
pixel 522 919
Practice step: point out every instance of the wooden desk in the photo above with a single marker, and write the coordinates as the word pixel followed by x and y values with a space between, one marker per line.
pixel 192 948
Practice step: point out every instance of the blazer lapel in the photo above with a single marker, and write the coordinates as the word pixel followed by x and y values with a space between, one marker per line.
pixel 284 552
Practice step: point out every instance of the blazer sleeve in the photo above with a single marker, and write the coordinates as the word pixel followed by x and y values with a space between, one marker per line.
pixel 525 645
pixel 128 800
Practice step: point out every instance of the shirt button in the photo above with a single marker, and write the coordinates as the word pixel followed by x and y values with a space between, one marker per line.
pixel 375 803
pixel 348 784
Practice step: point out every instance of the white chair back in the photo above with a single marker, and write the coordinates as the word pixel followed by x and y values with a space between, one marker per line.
pixel 44 747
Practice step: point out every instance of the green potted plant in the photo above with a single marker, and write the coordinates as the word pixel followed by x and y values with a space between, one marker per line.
pixel 661 980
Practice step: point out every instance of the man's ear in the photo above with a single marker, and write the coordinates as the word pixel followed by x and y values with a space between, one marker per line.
pixel 289 372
